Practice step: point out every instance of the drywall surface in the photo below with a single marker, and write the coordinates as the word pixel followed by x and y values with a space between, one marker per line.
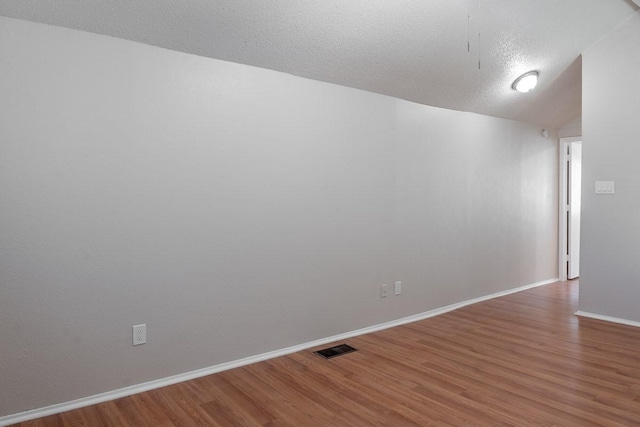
pixel 573 128
pixel 234 210
pixel 610 272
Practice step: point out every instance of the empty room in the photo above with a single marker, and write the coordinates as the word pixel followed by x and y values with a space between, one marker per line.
pixel 319 213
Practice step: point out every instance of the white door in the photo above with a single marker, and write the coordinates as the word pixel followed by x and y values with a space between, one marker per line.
pixel 573 226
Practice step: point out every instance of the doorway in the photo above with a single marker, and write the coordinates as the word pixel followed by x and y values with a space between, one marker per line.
pixel 570 207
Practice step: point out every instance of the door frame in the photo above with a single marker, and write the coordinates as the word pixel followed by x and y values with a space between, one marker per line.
pixel 563 181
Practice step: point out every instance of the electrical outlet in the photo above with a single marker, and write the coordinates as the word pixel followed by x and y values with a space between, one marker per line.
pixel 384 291
pixel 398 288
pixel 139 334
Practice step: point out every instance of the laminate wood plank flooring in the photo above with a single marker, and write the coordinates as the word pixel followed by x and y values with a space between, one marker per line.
pixel 520 360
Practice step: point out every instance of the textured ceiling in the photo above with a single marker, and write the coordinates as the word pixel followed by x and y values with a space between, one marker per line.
pixel 425 51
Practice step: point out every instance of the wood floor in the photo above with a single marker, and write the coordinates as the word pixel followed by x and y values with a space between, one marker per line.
pixel 520 360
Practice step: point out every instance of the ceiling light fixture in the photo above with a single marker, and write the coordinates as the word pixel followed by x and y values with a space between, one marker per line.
pixel 526 82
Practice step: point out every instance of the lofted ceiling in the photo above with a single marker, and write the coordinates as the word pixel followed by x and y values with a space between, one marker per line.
pixel 456 54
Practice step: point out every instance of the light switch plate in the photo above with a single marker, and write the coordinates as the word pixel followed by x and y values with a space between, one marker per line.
pixel 398 288
pixel 605 187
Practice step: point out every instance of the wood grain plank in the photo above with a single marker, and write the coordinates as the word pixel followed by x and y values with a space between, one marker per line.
pixel 521 360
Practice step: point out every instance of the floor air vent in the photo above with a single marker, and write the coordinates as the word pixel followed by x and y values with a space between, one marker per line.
pixel 338 350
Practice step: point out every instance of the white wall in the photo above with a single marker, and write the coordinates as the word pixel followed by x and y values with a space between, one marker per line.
pixel 610 271
pixel 234 210
pixel 573 128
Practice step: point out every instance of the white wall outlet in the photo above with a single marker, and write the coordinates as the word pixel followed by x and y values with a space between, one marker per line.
pixel 398 288
pixel 139 334
pixel 384 291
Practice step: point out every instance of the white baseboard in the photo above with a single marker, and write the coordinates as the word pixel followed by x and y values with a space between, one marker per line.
pixel 608 318
pixel 162 382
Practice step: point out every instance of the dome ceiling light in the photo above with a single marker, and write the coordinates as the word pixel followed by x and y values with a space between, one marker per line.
pixel 526 82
